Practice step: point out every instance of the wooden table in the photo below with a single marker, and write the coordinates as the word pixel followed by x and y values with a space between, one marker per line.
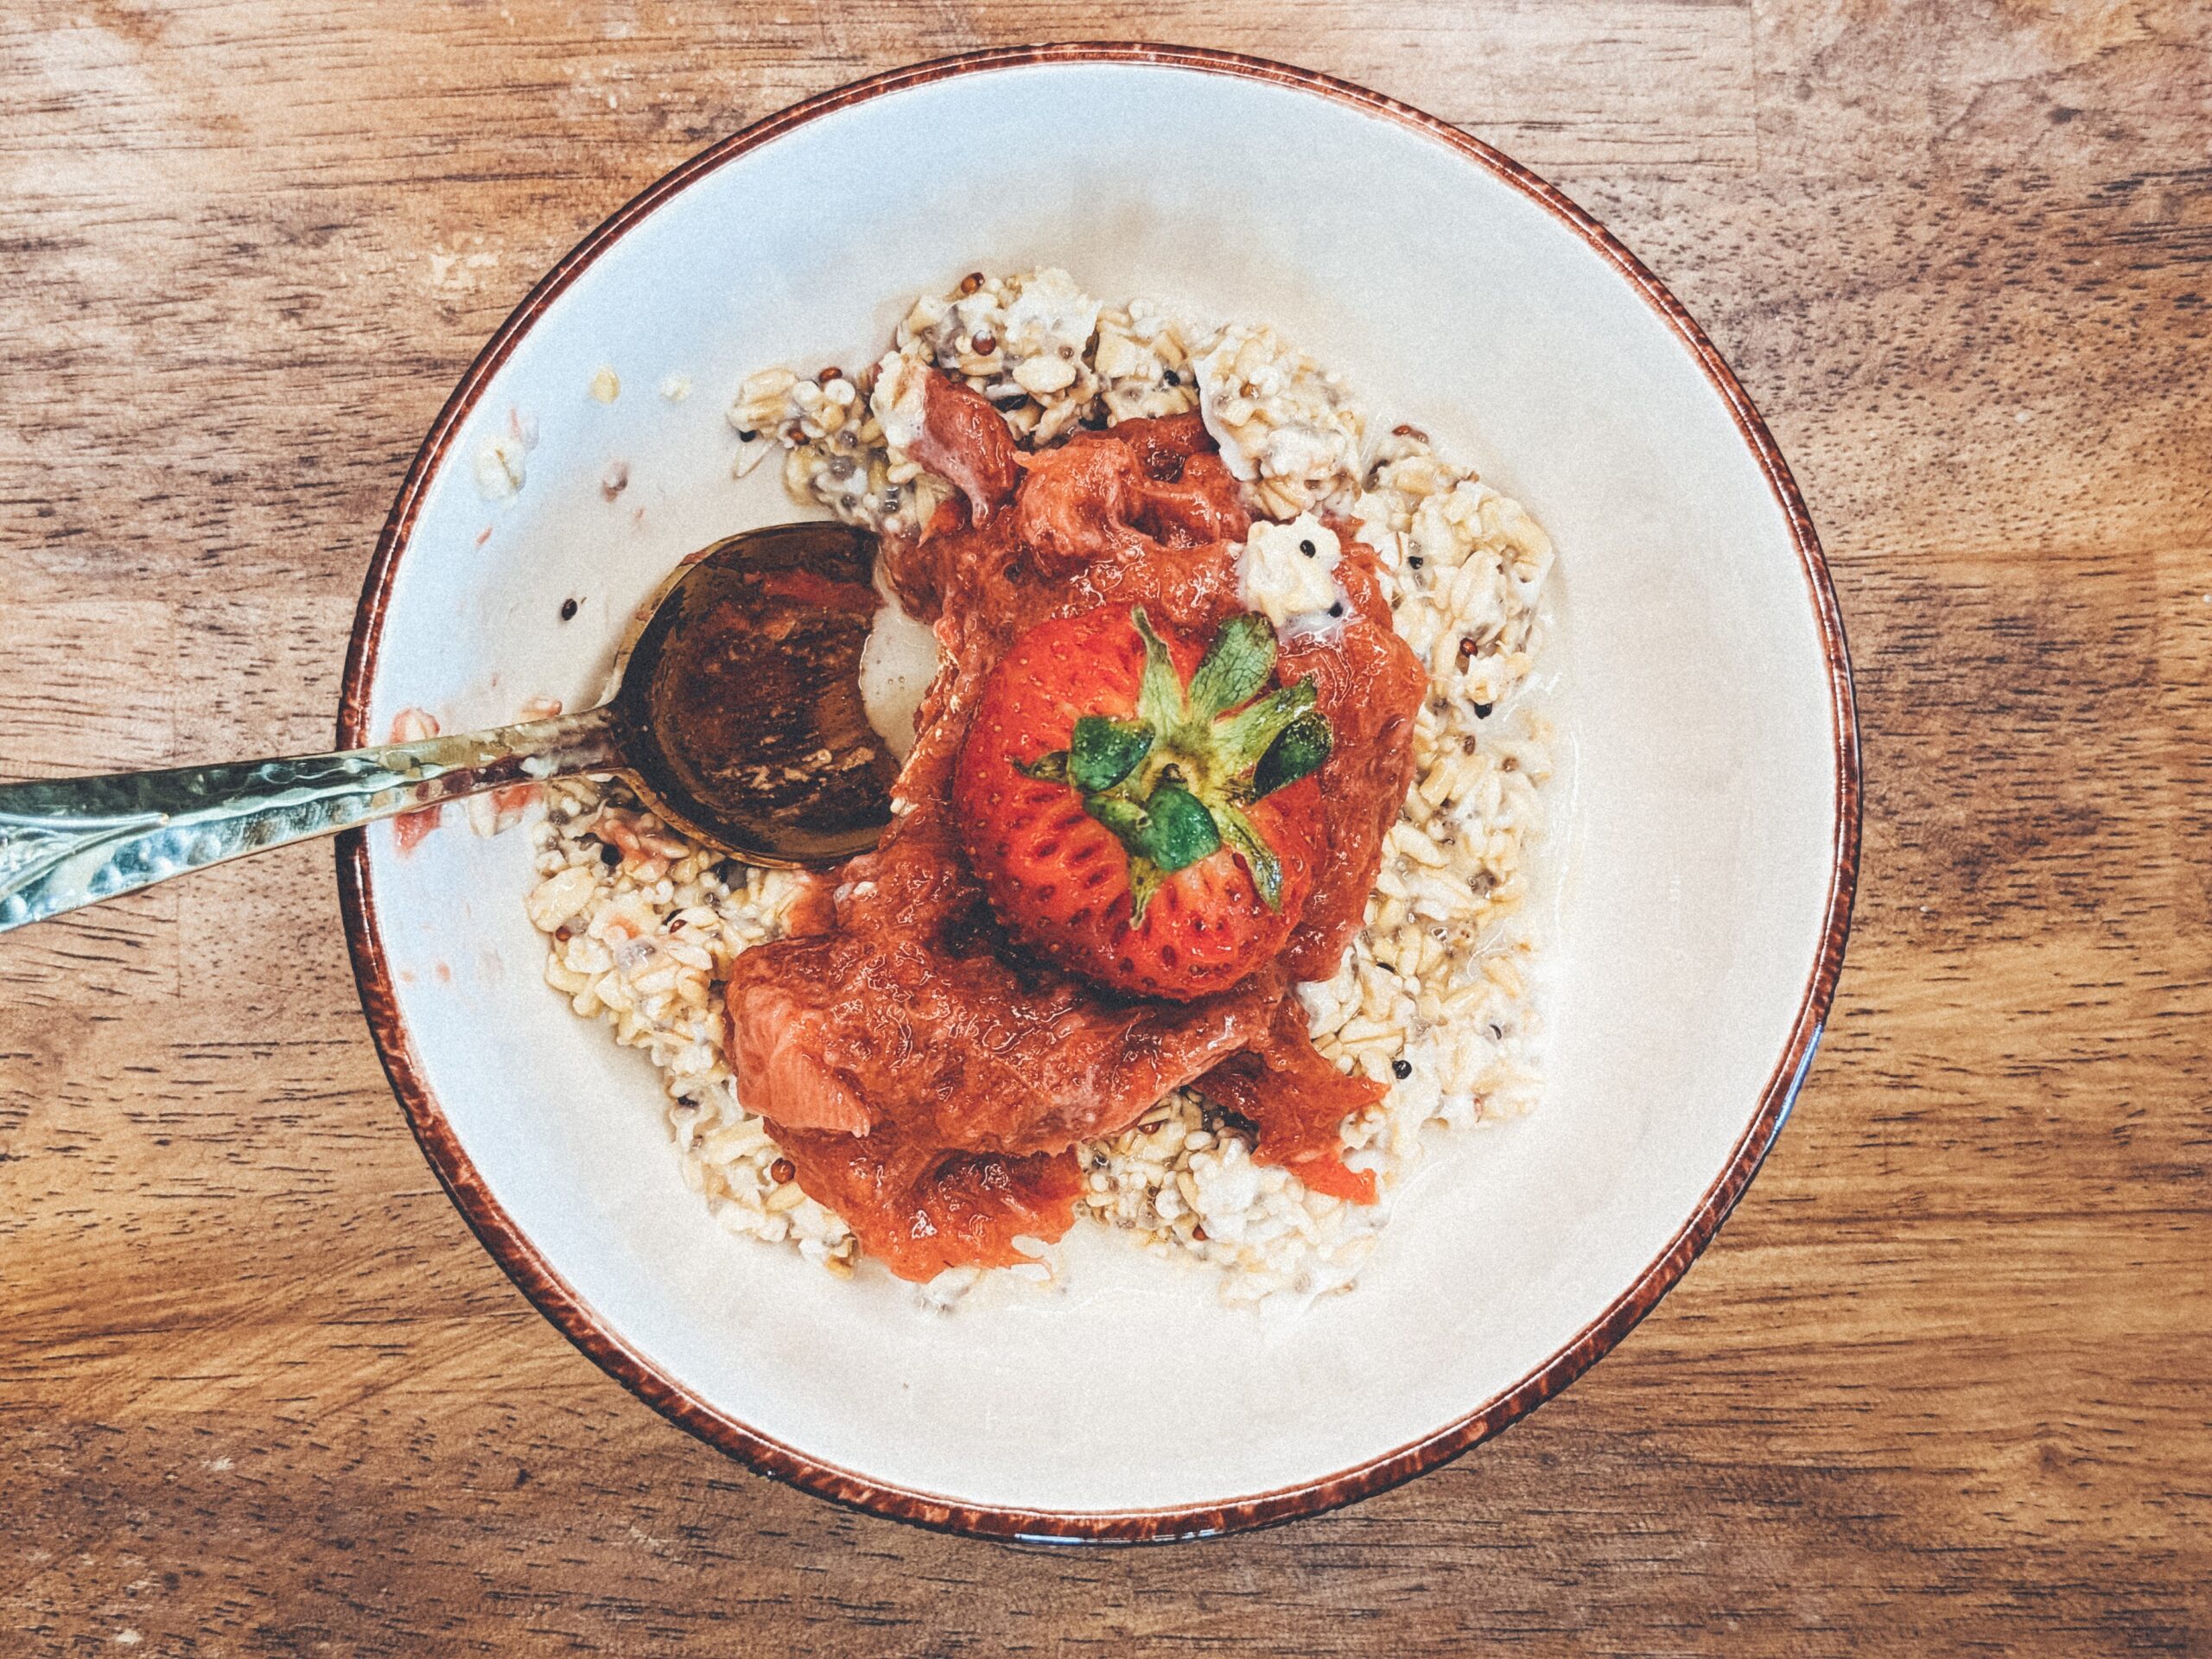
pixel 1942 1385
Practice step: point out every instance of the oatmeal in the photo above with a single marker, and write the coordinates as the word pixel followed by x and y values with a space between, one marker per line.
pixel 1429 1007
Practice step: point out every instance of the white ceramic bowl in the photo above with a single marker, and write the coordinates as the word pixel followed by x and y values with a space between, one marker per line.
pixel 1701 859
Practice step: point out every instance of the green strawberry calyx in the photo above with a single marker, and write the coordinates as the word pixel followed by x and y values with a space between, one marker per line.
pixel 1172 782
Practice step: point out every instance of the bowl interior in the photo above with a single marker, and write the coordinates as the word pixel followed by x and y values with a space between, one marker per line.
pixel 1688 868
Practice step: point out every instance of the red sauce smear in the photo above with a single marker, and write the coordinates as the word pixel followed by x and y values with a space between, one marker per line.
pixel 927 1078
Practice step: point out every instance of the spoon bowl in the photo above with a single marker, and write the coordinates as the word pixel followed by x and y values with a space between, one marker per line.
pixel 738 713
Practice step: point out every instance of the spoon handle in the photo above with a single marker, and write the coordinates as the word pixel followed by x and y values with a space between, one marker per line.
pixel 68 841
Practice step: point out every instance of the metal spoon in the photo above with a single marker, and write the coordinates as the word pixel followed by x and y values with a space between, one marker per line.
pixel 735 714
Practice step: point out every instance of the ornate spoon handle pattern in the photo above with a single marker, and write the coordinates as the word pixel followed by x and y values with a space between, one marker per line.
pixel 68 841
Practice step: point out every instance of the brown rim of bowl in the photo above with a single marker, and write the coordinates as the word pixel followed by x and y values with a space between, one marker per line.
pixel 578 1322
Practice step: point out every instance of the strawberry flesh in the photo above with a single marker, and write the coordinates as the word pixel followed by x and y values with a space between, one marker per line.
pixel 1193 884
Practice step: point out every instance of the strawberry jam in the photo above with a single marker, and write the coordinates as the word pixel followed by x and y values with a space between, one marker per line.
pixel 923 1210
pixel 927 1075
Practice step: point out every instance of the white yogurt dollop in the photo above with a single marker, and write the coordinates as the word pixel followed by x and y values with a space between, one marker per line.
pixel 897 665
pixel 1288 573
pixel 1050 311
pixel 900 396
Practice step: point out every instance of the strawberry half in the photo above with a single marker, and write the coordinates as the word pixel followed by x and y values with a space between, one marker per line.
pixel 1140 811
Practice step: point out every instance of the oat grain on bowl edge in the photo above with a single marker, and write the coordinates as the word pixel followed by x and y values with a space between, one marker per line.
pixel 1031 457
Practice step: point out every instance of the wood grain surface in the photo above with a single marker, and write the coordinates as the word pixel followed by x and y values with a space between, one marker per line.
pixel 1944 1384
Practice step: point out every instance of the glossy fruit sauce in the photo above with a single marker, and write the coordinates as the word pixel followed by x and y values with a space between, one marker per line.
pixel 927 1076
